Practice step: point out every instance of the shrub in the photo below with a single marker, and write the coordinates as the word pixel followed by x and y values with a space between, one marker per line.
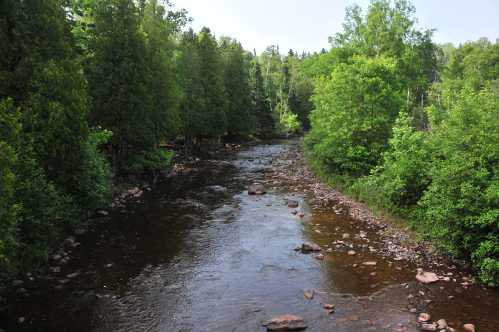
pixel 400 181
pixel 461 206
pixel 149 160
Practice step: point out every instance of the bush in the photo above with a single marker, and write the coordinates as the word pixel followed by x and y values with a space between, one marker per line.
pixel 149 161
pixel 400 181
pixel 461 206
pixel 9 131
pixel 94 190
pixel 47 212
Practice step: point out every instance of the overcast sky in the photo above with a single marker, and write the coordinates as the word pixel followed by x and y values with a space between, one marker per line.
pixel 307 24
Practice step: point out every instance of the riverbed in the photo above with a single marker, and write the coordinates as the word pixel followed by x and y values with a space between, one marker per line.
pixel 197 253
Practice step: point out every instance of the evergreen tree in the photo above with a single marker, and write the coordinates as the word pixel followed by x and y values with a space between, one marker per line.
pixel 236 78
pixel 262 110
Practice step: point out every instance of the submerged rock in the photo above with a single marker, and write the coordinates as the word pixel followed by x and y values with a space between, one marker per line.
pixel 286 322
pixel 309 294
pixel 426 277
pixel 308 246
pixel 292 204
pixel 256 189
pixel 329 308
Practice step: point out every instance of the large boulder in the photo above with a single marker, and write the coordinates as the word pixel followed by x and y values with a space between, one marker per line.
pixel 286 322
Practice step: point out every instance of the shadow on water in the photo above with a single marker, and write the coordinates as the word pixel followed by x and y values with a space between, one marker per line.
pixel 199 254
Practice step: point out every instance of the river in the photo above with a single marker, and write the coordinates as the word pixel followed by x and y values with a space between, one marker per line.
pixel 198 253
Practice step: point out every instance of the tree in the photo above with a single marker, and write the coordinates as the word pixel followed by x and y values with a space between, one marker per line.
pixel 354 112
pixel 118 75
pixel 262 110
pixel 236 78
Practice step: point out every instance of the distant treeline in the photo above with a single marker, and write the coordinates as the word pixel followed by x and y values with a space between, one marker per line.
pixel 412 128
pixel 90 89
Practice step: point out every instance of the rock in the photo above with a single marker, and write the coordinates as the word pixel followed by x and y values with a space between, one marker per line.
pixel 80 231
pixel 370 263
pixel 329 308
pixel 217 189
pixel 309 294
pixel 345 235
pixel 286 322
pixel 426 277
pixel 301 214
pixel 69 242
pixel 17 283
pixel 294 212
pixel 56 257
pixel 441 324
pixel 319 257
pixel 292 204
pixel 21 320
pixel 469 327
pixel 351 252
pixel 55 269
pixel 102 213
pixel 256 189
pixel 429 327
pixel 424 317
pixel 308 246
pixel 73 275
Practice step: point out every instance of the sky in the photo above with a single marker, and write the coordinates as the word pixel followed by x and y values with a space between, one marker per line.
pixel 305 25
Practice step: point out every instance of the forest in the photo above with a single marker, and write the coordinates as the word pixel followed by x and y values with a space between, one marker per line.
pixel 93 90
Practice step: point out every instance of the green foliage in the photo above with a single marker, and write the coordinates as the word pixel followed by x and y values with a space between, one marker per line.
pixel 149 161
pixel 439 167
pixel 460 207
pixel 9 209
pixel 263 112
pixel 95 179
pixel 47 213
pixel 204 105
pixel 354 112
pixel 236 78
pixel 399 182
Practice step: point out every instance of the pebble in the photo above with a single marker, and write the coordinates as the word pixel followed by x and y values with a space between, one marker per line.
pixel 424 317
pixel 309 294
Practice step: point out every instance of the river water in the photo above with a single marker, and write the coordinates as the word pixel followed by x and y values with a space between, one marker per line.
pixel 189 256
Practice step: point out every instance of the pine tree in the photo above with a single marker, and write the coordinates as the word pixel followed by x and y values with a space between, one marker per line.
pixel 265 121
pixel 119 76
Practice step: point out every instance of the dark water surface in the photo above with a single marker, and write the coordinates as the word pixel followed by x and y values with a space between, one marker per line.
pixel 191 257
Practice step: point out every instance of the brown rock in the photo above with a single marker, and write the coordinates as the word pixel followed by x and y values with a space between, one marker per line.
pixel 308 246
pixel 370 263
pixel 309 294
pixel 442 324
pixel 469 327
pixel 319 257
pixel 351 252
pixel 292 204
pixel 256 189
pixel 429 327
pixel 424 317
pixel 329 308
pixel 426 277
pixel 286 322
